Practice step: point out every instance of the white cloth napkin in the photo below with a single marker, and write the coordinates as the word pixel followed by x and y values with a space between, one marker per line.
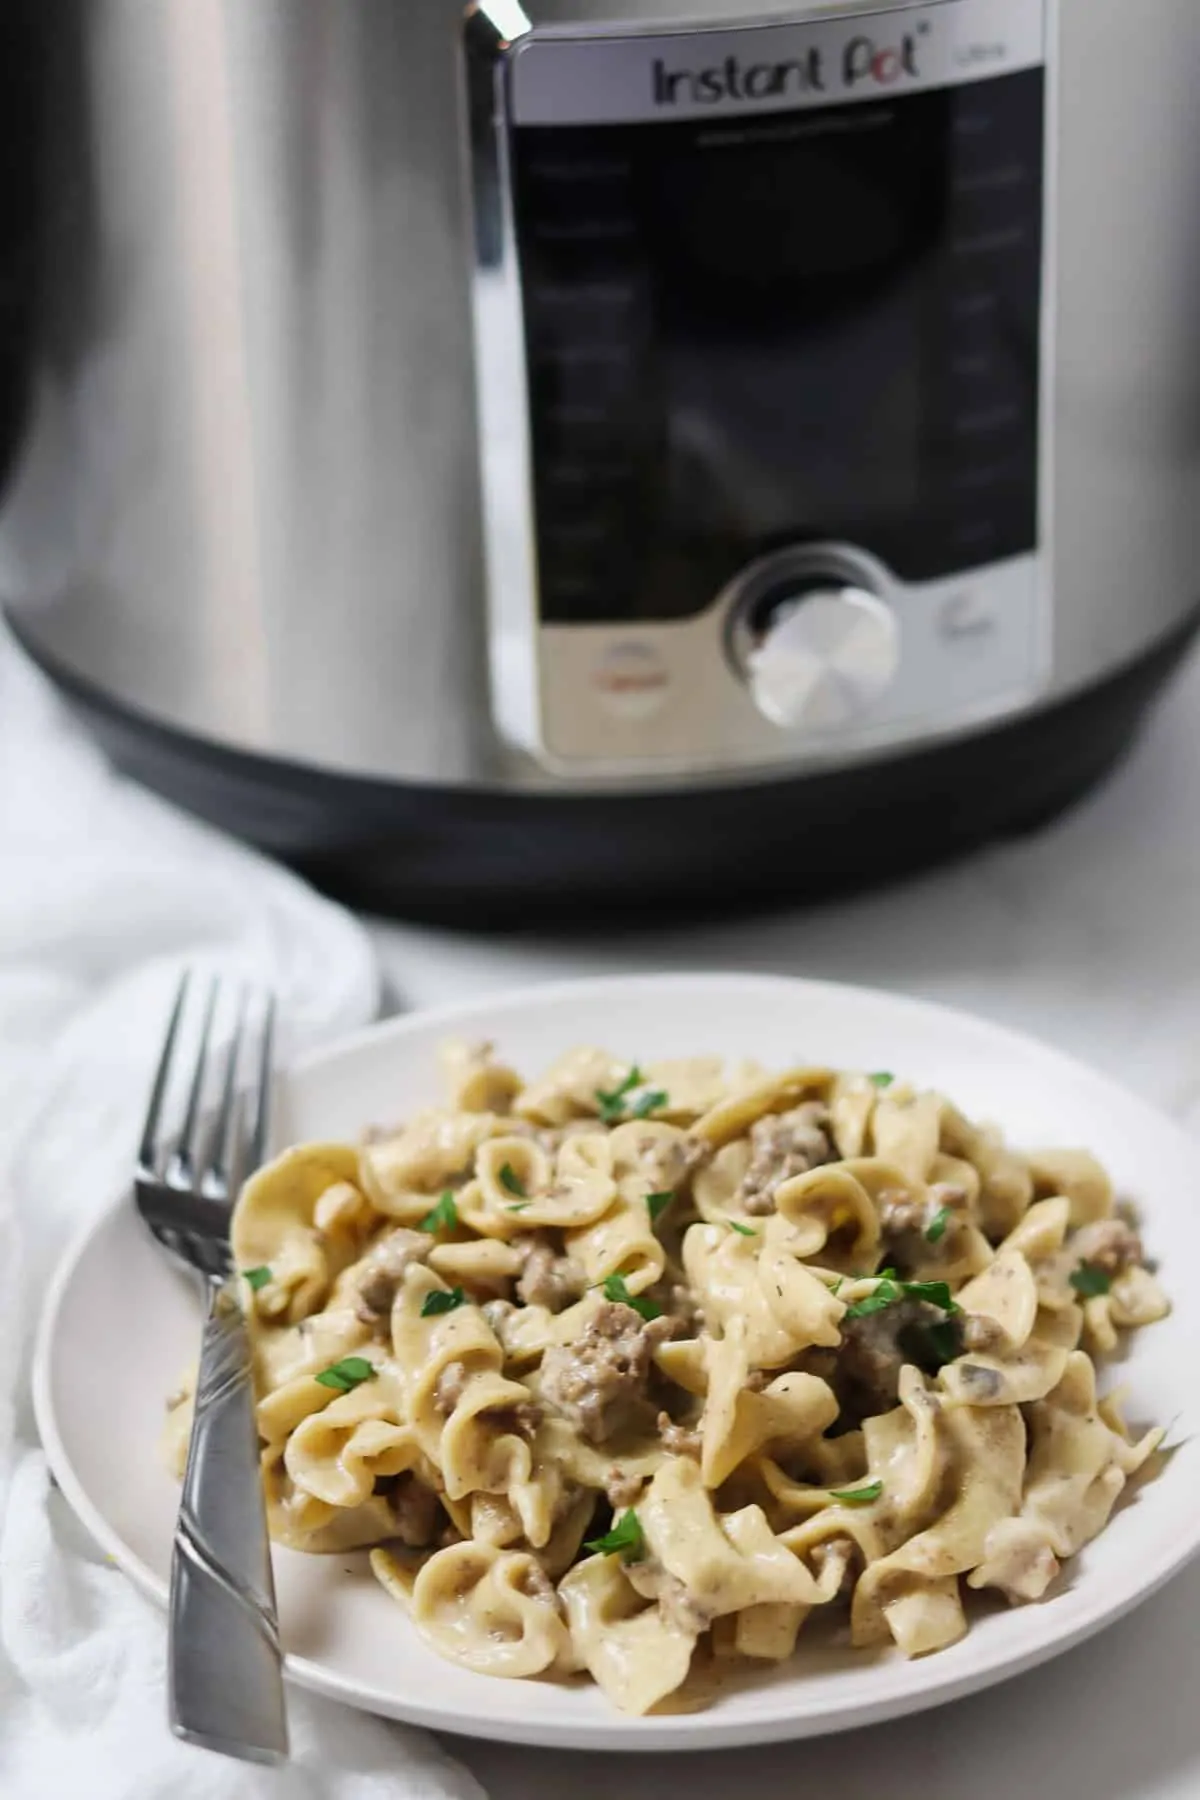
pixel 105 894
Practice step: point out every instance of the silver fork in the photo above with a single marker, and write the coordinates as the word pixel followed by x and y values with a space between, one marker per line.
pixel 226 1684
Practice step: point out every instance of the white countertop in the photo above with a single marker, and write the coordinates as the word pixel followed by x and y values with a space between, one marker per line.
pixel 1089 936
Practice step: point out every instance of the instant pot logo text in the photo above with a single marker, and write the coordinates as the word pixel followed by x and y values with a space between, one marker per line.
pixel 864 62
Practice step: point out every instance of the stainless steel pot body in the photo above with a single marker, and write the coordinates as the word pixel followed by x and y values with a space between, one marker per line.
pixel 248 500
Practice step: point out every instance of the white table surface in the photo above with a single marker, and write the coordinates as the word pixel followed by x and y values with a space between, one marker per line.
pixel 1089 936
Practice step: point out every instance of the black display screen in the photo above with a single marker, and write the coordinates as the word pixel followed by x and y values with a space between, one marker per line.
pixel 751 332
pixel 772 239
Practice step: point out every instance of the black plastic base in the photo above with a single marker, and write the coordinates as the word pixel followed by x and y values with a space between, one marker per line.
pixel 488 859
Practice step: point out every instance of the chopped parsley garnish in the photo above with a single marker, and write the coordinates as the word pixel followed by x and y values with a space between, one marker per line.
pixel 347 1374
pixel 935 1231
pixel 625 1539
pixel 653 1100
pixel 888 1291
pixel 1090 1281
pixel 519 1206
pixel 616 1290
pixel 441 1300
pixel 882 1078
pixel 442 1217
pixel 657 1204
pixel 257 1278
pixel 937 1293
pixel 612 1103
pixel 838 1284
pixel 512 1181
pixel 886 1294
pixel 615 1104
pixel 742 1230
pixel 862 1496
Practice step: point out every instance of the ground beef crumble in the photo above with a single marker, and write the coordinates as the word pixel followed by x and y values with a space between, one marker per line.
pixel 415 1512
pixel 600 1381
pixel 676 1298
pixel 498 1313
pixel 678 1607
pixel 622 1488
pixel 679 1440
pixel 983 1335
pixel 668 1163
pixel 537 1584
pixel 979 1384
pixel 522 1420
pixel 549 1278
pixel 449 1389
pixel 866 1374
pixel 899 1212
pixel 783 1145
pixel 1109 1244
pixel 383 1268
pixel 904 1222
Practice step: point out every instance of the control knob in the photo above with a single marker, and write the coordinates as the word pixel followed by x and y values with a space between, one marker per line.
pixel 817 652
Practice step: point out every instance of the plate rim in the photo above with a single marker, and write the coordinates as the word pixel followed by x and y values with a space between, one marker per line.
pixel 617 1734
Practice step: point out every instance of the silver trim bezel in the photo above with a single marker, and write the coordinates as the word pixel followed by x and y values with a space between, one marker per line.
pixel 831 564
pixel 502 393
pixel 502 374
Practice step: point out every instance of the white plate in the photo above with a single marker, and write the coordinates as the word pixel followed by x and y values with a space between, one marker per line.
pixel 119 1325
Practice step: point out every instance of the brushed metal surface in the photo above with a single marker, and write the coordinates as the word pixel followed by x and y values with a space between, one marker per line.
pixel 248 502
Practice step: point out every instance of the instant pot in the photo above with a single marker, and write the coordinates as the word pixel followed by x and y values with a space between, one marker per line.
pixel 612 452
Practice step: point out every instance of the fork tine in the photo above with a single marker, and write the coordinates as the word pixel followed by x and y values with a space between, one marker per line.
pixel 181 1163
pixel 215 1179
pixel 257 1150
pixel 147 1161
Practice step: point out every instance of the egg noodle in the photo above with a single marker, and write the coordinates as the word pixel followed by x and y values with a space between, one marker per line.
pixel 629 1371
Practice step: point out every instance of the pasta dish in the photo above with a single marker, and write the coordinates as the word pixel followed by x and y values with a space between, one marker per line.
pixel 627 1371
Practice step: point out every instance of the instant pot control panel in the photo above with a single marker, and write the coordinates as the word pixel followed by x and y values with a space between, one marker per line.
pixel 761 330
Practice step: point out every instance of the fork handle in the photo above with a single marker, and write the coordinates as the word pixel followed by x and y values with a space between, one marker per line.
pixel 226 1683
